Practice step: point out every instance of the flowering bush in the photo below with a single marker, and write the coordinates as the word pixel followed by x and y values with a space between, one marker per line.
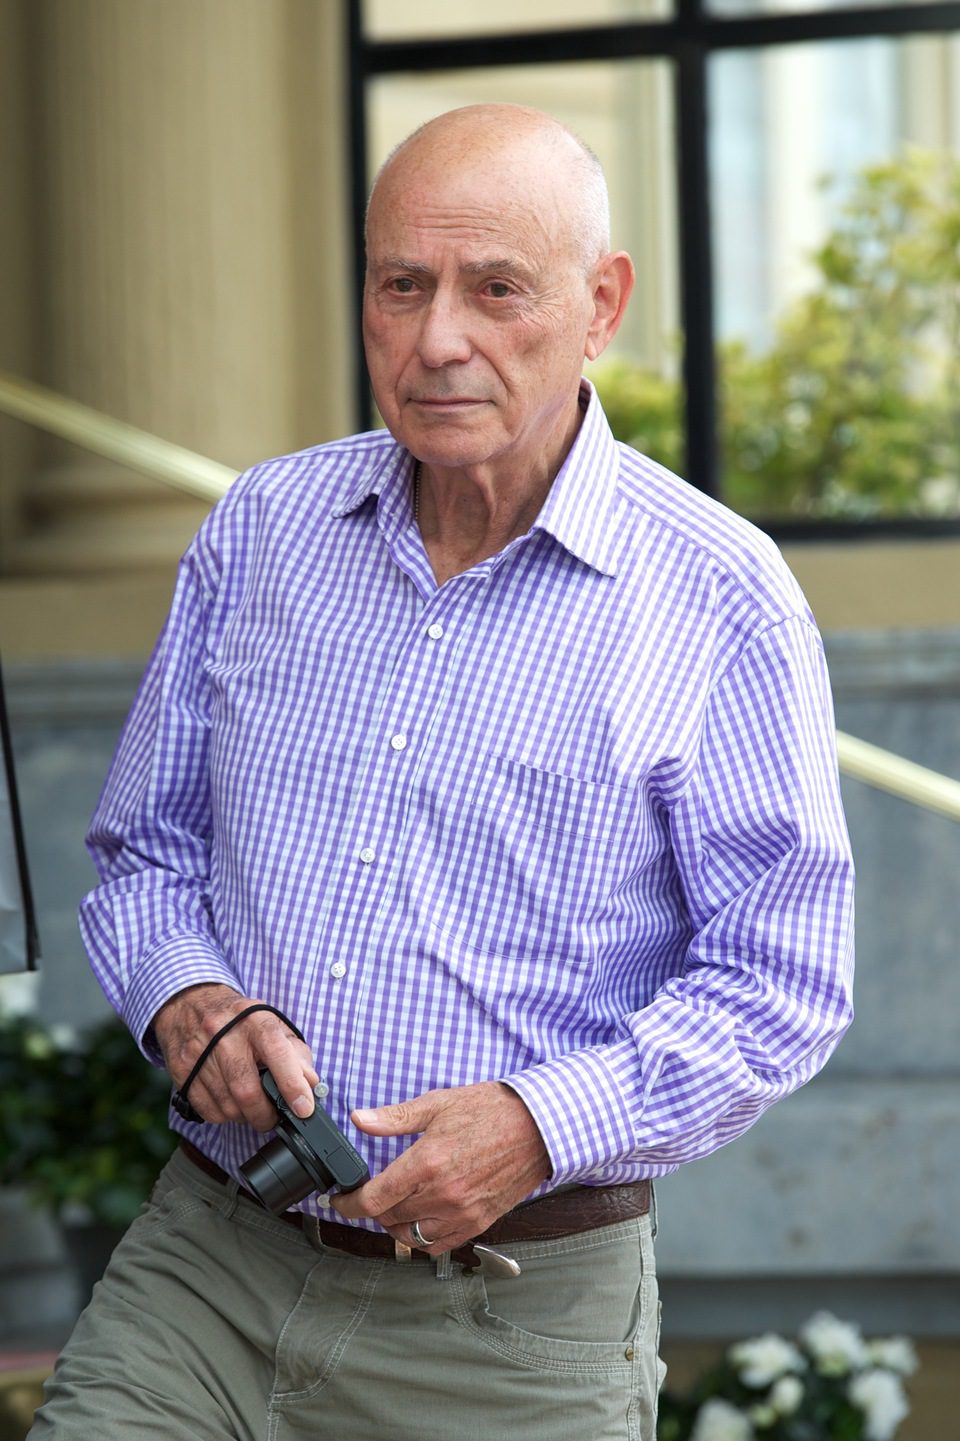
pixel 831 1385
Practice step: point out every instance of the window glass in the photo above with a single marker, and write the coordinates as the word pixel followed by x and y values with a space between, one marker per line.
pixel 624 112
pixel 836 220
pixel 388 20
pixel 785 7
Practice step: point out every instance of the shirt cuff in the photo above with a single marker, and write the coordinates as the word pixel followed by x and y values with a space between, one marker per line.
pixel 171 965
pixel 578 1104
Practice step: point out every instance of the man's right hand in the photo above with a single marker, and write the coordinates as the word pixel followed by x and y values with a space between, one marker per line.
pixel 228 1086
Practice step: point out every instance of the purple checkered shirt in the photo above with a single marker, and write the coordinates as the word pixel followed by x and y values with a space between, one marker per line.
pixel 570 820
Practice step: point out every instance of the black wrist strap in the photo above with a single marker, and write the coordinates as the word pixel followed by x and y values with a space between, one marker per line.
pixel 179 1098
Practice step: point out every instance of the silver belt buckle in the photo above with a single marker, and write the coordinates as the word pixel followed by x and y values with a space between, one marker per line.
pixel 401 1253
pixel 495 1263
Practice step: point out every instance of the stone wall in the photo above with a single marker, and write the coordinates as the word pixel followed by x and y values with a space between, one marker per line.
pixel 846 1194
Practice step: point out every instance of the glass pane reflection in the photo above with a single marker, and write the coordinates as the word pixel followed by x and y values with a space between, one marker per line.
pixel 836 210
pixel 786 7
pixel 387 20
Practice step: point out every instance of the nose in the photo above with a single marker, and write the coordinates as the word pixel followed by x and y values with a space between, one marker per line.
pixel 443 336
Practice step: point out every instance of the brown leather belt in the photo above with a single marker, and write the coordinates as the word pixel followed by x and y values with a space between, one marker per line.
pixel 561 1213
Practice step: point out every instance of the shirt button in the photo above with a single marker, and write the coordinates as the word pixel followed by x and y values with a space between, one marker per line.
pixel 367 855
pixel 435 631
pixel 399 742
pixel 321 1090
pixel 338 969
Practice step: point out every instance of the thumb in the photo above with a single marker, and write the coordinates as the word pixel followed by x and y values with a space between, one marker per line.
pixel 402 1119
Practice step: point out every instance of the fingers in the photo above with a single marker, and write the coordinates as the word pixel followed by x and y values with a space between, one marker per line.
pixel 397 1186
pixel 286 1058
pixel 228 1086
pixel 403 1119
pixel 431 1235
pixel 479 1154
pixel 231 1075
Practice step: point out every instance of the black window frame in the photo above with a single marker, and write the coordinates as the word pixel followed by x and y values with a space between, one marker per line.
pixel 688 39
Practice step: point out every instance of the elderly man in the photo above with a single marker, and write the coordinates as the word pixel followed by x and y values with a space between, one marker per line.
pixel 501 763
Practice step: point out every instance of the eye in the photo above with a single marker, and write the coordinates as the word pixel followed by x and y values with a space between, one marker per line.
pixel 402 285
pixel 499 289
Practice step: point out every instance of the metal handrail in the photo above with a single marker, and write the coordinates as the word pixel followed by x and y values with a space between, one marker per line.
pixel 886 771
pixel 209 480
pixel 114 439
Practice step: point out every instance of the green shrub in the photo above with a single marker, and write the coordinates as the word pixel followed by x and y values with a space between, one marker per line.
pixel 83 1124
pixel 853 411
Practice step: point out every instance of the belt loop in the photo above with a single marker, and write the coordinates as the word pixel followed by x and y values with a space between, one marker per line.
pixel 231 1196
pixel 310 1227
pixel 653 1212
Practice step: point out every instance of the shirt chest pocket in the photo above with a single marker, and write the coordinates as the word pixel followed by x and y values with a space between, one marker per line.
pixel 531 861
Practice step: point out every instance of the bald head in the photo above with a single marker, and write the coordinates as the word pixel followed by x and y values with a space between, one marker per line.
pixel 511 139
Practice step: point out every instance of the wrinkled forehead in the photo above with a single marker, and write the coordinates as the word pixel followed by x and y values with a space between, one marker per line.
pixel 506 198
pixel 468 240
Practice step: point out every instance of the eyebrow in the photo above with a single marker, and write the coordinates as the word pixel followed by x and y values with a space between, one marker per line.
pixel 502 265
pixel 397 262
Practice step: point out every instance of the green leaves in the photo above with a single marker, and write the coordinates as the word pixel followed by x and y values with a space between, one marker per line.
pixel 853 412
pixel 83 1124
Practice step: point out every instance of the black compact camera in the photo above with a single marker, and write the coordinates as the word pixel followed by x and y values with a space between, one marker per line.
pixel 303 1156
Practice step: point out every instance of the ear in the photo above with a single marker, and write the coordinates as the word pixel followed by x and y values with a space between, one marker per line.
pixel 612 287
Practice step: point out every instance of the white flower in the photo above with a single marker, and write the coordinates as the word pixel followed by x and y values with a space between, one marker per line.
pixel 762 1415
pixel 786 1395
pixel 762 1359
pixel 894 1352
pixel 879 1395
pixel 836 1346
pixel 20 994
pixel 719 1421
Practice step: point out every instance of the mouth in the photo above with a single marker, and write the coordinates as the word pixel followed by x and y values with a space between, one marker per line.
pixel 446 402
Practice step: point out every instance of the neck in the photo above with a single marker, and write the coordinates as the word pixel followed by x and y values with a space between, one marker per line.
pixel 467 515
pixel 463 525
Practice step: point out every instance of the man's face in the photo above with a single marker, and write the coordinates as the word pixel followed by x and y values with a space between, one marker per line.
pixel 476 313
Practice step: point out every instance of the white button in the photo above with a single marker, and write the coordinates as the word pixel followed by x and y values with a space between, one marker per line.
pixel 435 631
pixel 321 1090
pixel 367 855
pixel 399 742
pixel 338 969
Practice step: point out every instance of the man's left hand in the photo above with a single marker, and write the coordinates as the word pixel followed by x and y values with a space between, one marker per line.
pixel 478 1155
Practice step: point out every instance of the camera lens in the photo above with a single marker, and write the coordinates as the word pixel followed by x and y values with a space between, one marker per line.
pixel 276 1177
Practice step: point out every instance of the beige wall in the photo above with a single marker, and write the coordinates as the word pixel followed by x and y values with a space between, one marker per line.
pixel 874 585
pixel 17 260
pixel 176 258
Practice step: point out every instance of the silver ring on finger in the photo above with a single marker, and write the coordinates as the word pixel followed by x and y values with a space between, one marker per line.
pixel 418 1236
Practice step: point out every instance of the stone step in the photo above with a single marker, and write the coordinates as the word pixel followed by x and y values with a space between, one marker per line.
pixel 97 485
pixel 49 618
pixel 106 545
pixel 101 519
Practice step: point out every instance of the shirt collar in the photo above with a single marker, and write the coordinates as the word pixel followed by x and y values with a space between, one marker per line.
pixel 389 475
pixel 579 511
pixel 581 508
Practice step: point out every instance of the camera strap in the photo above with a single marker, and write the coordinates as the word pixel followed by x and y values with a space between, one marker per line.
pixel 179 1098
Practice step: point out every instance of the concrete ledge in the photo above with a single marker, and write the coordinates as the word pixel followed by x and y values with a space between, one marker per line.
pixel 906 664
pixel 848 1177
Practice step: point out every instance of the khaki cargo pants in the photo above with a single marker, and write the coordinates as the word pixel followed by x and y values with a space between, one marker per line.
pixel 217 1322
